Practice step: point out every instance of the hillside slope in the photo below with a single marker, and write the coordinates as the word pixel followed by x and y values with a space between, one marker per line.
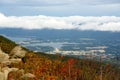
pixel 40 66
pixel 6 44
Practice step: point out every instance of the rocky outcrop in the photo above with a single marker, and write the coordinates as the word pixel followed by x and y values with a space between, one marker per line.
pixel 5 71
pixel 17 52
pixel 3 56
pixel 4 62
pixel 15 56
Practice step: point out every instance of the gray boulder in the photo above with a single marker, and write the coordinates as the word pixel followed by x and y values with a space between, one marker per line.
pixel 3 56
pixel 18 52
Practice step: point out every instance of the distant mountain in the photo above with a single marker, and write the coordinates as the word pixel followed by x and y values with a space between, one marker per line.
pixel 59 34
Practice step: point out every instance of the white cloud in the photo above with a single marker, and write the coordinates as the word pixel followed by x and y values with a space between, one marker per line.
pixel 103 23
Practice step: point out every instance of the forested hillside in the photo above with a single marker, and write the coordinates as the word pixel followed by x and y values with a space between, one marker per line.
pixel 6 44
pixel 40 66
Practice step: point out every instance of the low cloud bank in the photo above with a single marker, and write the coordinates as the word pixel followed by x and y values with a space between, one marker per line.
pixel 103 23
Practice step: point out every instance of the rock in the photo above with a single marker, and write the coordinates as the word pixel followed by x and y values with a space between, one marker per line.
pixel 15 60
pixel 28 75
pixel 5 71
pixel 17 52
pixel 3 56
pixel 4 59
pixel 2 76
pixel 6 63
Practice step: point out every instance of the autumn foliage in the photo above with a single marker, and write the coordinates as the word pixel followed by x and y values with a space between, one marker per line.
pixel 70 69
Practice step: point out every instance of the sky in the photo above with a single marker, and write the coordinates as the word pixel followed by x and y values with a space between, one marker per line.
pixel 60 7
pixel 97 15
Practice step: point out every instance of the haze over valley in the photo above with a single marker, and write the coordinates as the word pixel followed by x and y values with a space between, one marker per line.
pixel 77 43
